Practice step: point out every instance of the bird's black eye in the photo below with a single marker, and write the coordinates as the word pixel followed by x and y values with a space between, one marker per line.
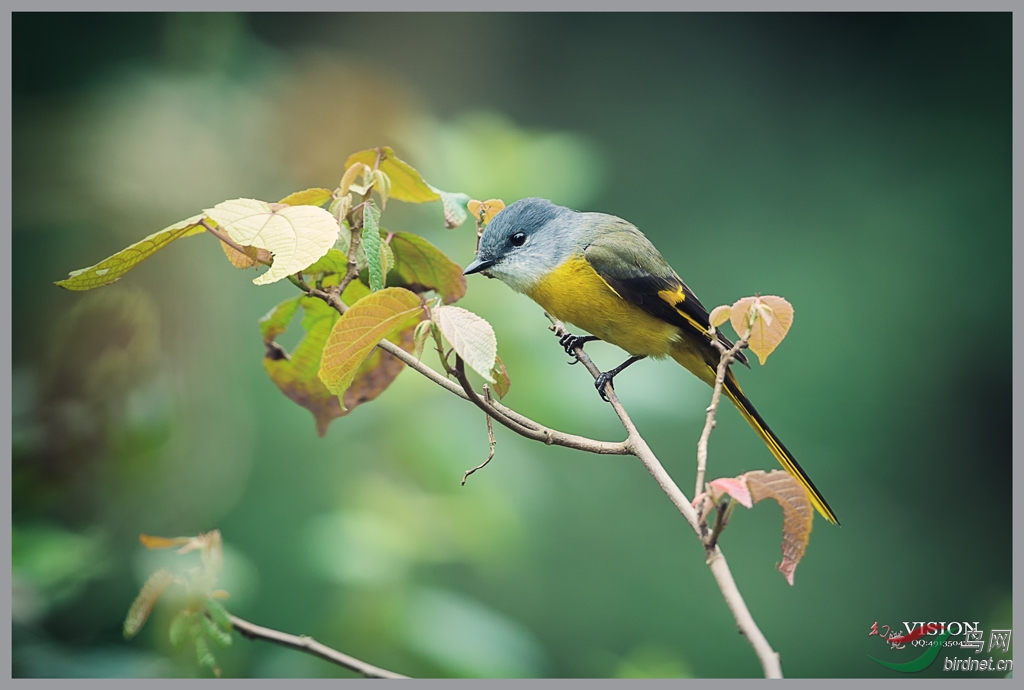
pixel 518 239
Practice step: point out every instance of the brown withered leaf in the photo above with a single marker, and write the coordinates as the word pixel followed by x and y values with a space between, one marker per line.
pixel 797 513
pixel 251 257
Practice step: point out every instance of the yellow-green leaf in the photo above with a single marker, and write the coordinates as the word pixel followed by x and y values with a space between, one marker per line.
pixel 296 235
pixel 365 324
pixel 502 382
pixel 797 513
pixel 471 336
pixel 420 266
pixel 277 319
pixel 768 317
pixel 143 604
pixel 406 182
pixel 382 183
pixel 112 268
pixel 316 196
pixel 220 637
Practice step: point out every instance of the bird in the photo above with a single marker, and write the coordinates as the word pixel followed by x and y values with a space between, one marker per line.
pixel 601 274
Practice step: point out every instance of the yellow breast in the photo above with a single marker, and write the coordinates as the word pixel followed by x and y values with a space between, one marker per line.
pixel 574 292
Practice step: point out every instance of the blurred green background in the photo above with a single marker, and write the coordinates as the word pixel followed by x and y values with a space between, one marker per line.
pixel 859 165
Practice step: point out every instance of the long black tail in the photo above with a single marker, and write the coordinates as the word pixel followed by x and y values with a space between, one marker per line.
pixel 785 458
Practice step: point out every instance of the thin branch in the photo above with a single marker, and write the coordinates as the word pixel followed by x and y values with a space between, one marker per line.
pixel 310 646
pixel 518 423
pixel 715 560
pixel 490 438
pixel 727 358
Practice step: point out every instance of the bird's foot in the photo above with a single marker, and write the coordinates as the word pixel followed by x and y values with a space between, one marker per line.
pixel 607 376
pixel 570 342
pixel 603 378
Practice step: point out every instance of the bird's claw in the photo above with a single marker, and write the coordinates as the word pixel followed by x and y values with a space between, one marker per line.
pixel 603 378
pixel 569 342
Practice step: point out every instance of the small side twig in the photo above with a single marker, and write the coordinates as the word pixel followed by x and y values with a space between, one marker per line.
pixel 728 355
pixel 490 438
pixel 310 646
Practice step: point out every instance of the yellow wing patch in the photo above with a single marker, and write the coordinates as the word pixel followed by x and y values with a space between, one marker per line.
pixel 674 297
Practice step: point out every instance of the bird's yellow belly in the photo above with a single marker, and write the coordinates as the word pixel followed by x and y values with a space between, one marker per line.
pixel 574 292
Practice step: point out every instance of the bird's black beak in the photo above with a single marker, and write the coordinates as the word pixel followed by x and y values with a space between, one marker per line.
pixel 478 265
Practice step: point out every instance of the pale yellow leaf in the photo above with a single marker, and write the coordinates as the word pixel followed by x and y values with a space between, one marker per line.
pixel 471 336
pixel 720 315
pixel 297 236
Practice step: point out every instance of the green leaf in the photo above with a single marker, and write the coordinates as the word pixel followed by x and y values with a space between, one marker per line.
pixel 455 211
pixel 317 196
pixel 406 183
pixel 277 319
pixel 357 333
pixel 334 261
pixel 112 268
pixel 179 626
pixel 219 637
pixel 203 655
pixel 219 615
pixel 296 375
pixel 471 336
pixel 297 236
pixel 143 604
pixel 371 241
pixel 502 382
pixel 420 266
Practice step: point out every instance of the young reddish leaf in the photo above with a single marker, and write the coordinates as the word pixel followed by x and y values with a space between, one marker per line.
pixel 420 266
pixel 501 380
pixel 455 211
pixel 484 211
pixel 296 235
pixel 406 182
pixel 471 336
pixel 770 317
pixel 163 542
pixel 112 268
pixel 143 604
pixel 720 315
pixel 797 513
pixel 317 196
pixel 365 324
pixel 733 486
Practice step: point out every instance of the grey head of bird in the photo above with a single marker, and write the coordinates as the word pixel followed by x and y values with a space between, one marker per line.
pixel 526 241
